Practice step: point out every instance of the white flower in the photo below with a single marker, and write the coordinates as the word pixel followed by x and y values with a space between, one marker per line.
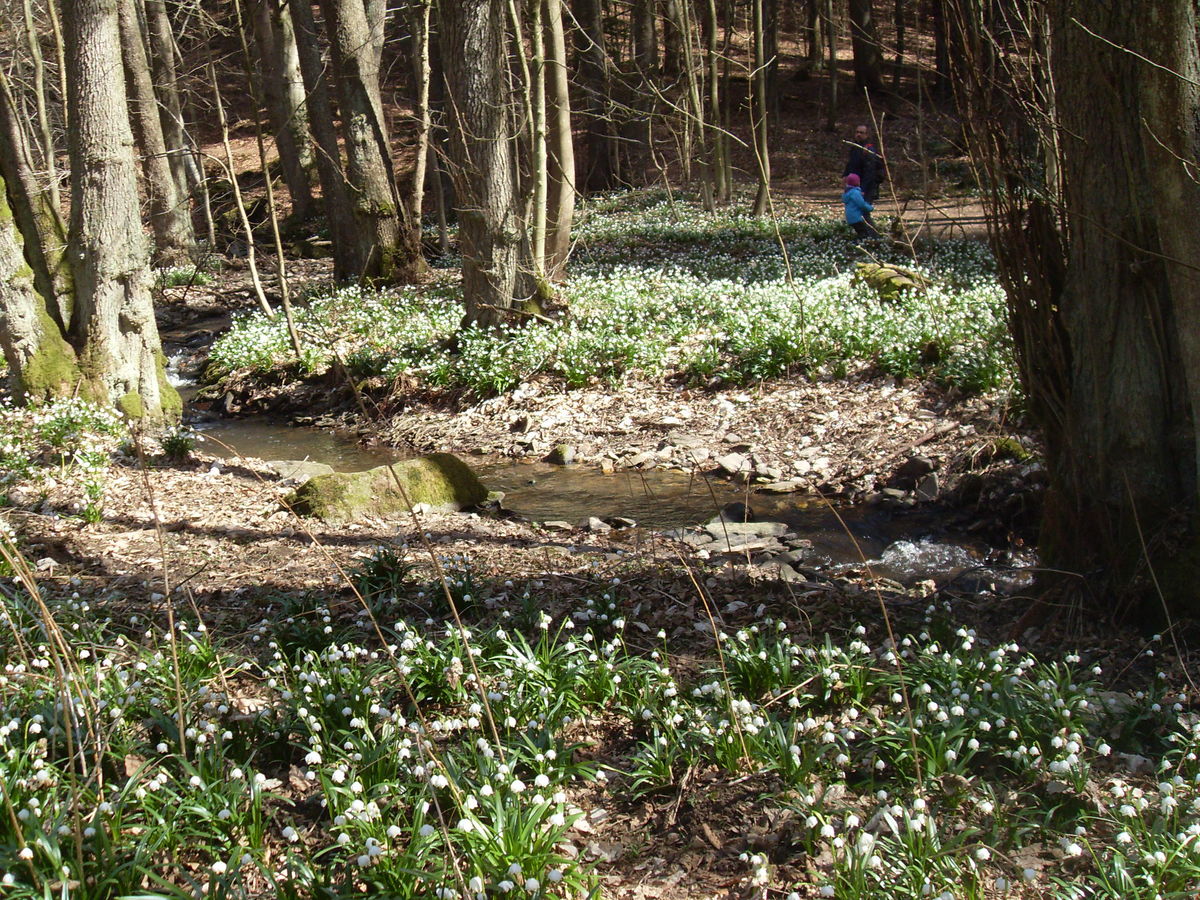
pixel 532 885
pixel 517 786
pixel 219 868
pixel 290 833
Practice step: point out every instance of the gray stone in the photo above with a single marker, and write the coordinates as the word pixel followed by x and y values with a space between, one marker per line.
pixel 595 524
pixel 620 522
pixel 721 530
pixel 734 464
pixel 911 470
pixel 743 544
pixel 927 487
pixel 558 525
pixel 780 487
pixel 440 480
pixel 795 555
pixel 686 440
pixel 298 471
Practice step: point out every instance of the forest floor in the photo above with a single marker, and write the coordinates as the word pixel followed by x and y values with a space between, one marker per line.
pixel 973 769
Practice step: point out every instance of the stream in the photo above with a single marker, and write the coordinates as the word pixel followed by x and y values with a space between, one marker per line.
pixel 903 546
pixel 906 546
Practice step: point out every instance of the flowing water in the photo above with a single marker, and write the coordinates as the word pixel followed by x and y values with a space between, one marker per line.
pixel 906 547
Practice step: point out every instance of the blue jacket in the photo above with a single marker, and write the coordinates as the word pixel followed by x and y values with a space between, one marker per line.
pixel 856 205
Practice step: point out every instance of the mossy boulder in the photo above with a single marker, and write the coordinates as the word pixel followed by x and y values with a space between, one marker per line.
pixel 889 281
pixel 440 480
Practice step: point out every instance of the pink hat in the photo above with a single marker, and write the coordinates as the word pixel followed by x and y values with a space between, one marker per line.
pixel 853 180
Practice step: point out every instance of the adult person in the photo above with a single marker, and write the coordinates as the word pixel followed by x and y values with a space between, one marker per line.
pixel 866 163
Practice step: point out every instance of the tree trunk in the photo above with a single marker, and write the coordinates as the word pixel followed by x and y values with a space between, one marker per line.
pixel 49 151
pixel 941 47
pixel 868 61
pixel 638 133
pixel 113 329
pixel 831 43
pixel 377 11
pixel 595 78
pixel 473 57
pixel 539 174
pixel 1126 464
pixel 814 35
pixel 759 114
pixel 673 37
pixel 170 217
pixel 283 89
pixel 645 38
pixel 561 200
pixel 41 364
pixel 721 164
pixel 418 22
pixel 329 160
pixel 170 111
pixel 36 216
pixel 384 246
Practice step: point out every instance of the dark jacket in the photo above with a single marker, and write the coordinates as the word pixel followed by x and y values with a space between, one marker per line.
pixel 867 164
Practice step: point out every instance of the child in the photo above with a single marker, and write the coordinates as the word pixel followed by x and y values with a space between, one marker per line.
pixel 858 210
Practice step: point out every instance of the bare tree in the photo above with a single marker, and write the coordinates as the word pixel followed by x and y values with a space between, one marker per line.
pixel 561 199
pixel 473 56
pixel 163 63
pixel 328 155
pixel 35 214
pixel 864 40
pixel 283 90
pixel 170 215
pixel 41 364
pixel 384 244
pixel 595 79
pixel 1100 269
pixel 113 328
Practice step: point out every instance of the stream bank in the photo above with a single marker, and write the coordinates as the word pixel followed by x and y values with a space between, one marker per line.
pixel 907 476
